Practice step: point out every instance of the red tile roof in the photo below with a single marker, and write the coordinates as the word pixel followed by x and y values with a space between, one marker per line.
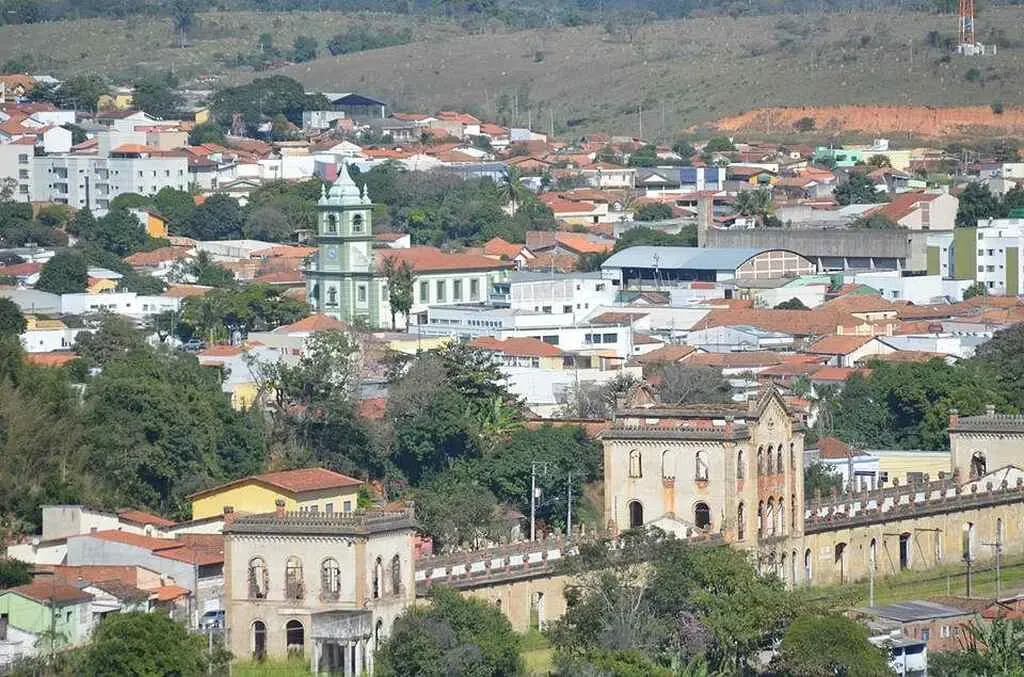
pixel 156 256
pixel 837 374
pixel 294 481
pixel 860 303
pixel 838 345
pixel 666 354
pixel 796 322
pixel 168 593
pixel 736 360
pixel 47 591
pixel 903 204
pixel 835 448
pixel 285 251
pixel 498 247
pixel 313 323
pixel 388 237
pixel 144 518
pixel 156 545
pixel 373 408
pixel 426 259
pixel 128 575
pixel 523 347
pixel 285 277
pixel 182 291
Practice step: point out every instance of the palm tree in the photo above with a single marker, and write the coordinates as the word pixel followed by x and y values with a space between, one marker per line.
pixel 756 203
pixel 510 187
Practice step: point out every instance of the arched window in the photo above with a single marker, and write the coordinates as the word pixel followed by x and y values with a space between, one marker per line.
pixel 999 531
pixel 636 514
pixel 668 465
pixel 332 297
pixel 768 460
pixel 332 223
pixel 294 637
pixel 635 467
pixel 702 466
pixel 782 517
pixel 760 460
pixel 968 545
pixel 779 468
pixel 782 568
pixel 741 469
pixel 396 575
pixel 259 580
pixel 760 519
pixel 792 513
pixel 330 579
pixel 378 577
pixel 978 465
pixel 770 517
pixel 378 633
pixel 259 640
pixel 792 456
pixel 938 547
pixel 702 516
pixel 741 522
pixel 293 586
pixel 357 223
pixel 873 554
pixel 807 565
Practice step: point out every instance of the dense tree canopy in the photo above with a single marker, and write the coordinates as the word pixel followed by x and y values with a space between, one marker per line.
pixel 858 189
pixel 831 645
pixel 12 322
pixel 65 273
pixel 138 643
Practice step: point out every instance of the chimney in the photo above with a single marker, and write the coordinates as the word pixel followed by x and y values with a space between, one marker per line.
pixel 229 515
pixel 279 507
pixel 954 418
pixel 990 410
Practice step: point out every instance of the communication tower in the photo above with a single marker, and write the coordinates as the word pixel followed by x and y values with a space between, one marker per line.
pixel 968 44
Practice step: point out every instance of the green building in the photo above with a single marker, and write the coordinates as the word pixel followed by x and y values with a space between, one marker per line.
pixel 837 157
pixel 42 616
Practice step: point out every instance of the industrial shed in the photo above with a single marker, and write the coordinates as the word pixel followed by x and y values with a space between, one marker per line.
pixel 666 265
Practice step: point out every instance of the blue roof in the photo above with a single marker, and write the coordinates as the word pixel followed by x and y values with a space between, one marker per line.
pixel 692 258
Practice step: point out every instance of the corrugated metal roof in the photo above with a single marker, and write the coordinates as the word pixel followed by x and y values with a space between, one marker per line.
pixel 916 611
pixel 694 258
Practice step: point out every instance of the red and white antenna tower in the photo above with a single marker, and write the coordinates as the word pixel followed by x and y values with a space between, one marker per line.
pixel 967 36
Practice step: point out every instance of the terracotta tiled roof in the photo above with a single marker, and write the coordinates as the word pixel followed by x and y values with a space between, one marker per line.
pixel 52 359
pixel 425 259
pixel 615 317
pixel 837 374
pixel 128 575
pixel 907 356
pixel 280 277
pixel 309 479
pixel 284 251
pixel 133 148
pixel 156 545
pixel 454 116
pixel 796 322
pixel 524 347
pixel 181 291
pixel 834 448
pixel 936 311
pixel 666 354
pixel 45 592
pixel 640 339
pixel 169 593
pixel 838 345
pixel 859 303
pixel 144 518
pixel 736 360
pixel 498 247
pixel 373 408
pixel 313 323
pixel 918 327
pixel 903 204
pixel 552 261
pixel 222 351
pixel 156 256
pixel 581 243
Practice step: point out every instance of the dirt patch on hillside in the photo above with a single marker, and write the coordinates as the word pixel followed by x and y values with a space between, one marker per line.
pixel 916 120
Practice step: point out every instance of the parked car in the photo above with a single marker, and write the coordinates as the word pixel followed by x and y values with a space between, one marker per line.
pixel 211 620
pixel 193 345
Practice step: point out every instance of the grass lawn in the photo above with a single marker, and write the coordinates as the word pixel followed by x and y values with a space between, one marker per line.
pixel 286 668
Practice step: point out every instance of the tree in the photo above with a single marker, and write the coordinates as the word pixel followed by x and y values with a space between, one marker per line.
pixel 65 273
pixel 818 477
pixel 452 636
pixel 792 304
pixel 456 510
pixel 831 645
pixel 595 400
pixel 998 361
pixel 139 643
pixel 992 648
pixel 84 222
pixel 858 189
pixel 654 211
pixel 879 161
pixel 218 218
pixel 976 203
pixel 511 188
pixel 305 48
pixel 755 203
pixel 689 385
pixel 207 132
pixel 12 322
pixel 174 205
pixel 154 96
pixel 14 572
pixel 683 149
pixel 874 222
pixel 119 232
pixel 268 223
pixel 183 14
pixel 976 289
pixel 805 124
pixel 115 338
pixel 400 291
pixel 719 144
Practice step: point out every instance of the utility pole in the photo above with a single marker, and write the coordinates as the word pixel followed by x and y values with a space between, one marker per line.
pixel 998 547
pixel 568 516
pixel 533 497
pixel 967 561
pixel 640 114
pixel 871 582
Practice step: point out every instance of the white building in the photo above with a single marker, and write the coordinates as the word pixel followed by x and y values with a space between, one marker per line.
pixel 89 181
pixel 16 163
pixel 572 294
pixel 989 254
pixel 895 285
pixel 129 304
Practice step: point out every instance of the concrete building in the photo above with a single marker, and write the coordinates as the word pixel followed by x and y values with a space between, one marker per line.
pixel 327 586
pixel 126 303
pixel 988 253
pixel 668 266
pixel 89 181
pixel 16 163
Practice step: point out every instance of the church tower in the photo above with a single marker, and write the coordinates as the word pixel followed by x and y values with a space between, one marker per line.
pixel 342 282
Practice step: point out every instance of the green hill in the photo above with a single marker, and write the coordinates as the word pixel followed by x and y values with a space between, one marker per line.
pixel 591 77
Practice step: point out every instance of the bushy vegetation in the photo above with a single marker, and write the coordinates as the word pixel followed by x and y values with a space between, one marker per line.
pixel 362 38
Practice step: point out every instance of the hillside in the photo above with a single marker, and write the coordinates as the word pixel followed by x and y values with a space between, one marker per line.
pixel 682 73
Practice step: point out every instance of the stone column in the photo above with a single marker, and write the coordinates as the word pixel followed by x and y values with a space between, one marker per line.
pixel 369 655
pixel 346 661
pixel 314 659
pixel 359 657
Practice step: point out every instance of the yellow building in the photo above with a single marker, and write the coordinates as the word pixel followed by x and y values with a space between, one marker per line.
pixel 308 489
pixel 914 464
pixel 119 99
pixel 101 285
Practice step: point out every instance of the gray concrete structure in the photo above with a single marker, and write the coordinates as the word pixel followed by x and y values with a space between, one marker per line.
pixel 832 249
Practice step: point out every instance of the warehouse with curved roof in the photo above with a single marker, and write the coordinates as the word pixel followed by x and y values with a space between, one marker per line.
pixel 666 265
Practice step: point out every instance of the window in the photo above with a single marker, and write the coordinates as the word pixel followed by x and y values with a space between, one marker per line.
pixel 741 526
pixel 760 519
pixel 567 309
pixel 3 627
pixel 23 159
pixel 396 575
pixel 701 464
pixel 636 514
pixel 332 297
pixel 779 468
pixel 347 506
pixel 807 565
pixel 925 634
pixel 792 456
pixel 968 541
pixel 424 292
pixel 978 465
pixel 295 637
pixel 329 508
pixel 361 293
pixel 474 290
pixel 610 338
pixel 330 579
pixel 357 223
pixel 378 577
pixel 293 586
pixel 550 340
pixel 741 470
pixel 635 464
pixel 456 290
pixel 439 290
pixel 760 460
pixel 792 513
pixel 668 465
pixel 258 578
pixel 259 640
pixel 944 632
pixel 702 516
pixel 332 223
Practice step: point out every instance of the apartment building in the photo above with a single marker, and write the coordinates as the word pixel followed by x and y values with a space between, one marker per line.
pixel 988 253
pixel 90 181
pixel 16 164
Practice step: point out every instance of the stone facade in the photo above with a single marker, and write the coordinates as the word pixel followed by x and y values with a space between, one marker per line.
pixel 328 586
